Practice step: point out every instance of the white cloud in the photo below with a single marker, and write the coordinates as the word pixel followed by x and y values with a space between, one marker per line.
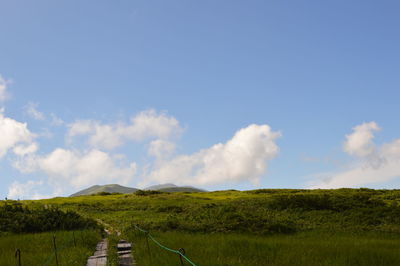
pixel 150 124
pixel 81 127
pixel 26 164
pixel 32 111
pixel 146 125
pixel 242 158
pixel 79 169
pixel 68 168
pixel 160 148
pixel 23 150
pixel 3 89
pixel 56 121
pixel 359 143
pixel 13 133
pixel 26 190
pixel 372 164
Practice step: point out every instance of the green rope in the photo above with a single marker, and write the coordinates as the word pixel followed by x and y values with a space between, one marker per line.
pixel 172 250
pixel 140 229
pixel 164 247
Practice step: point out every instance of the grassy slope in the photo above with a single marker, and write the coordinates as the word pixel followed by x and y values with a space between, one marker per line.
pixel 249 220
pixel 246 211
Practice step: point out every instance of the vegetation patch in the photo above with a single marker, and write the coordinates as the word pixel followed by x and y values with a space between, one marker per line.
pixel 16 218
pixel 73 247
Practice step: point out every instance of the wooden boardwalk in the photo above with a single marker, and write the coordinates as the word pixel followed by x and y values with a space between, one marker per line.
pixel 124 254
pixel 99 257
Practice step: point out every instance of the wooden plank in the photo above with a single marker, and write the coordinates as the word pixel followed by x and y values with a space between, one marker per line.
pixel 126 260
pixel 124 246
pixel 100 255
pixel 124 254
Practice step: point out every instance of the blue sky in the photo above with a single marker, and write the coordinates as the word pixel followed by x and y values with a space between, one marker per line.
pixel 321 76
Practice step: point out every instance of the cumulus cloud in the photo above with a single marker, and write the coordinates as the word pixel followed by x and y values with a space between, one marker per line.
pixel 13 133
pixel 160 148
pixel 79 169
pixel 25 190
pixel 146 125
pixel 242 158
pixel 3 89
pixel 32 111
pixel 23 150
pixel 359 142
pixel 371 164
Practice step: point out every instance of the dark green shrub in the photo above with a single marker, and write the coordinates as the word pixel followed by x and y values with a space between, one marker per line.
pixel 147 192
pixel 18 219
pixel 324 201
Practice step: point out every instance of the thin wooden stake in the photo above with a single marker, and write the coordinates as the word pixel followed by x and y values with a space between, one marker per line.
pixel 83 240
pixel 18 256
pixel 182 251
pixel 55 248
pixel 73 234
pixel 148 248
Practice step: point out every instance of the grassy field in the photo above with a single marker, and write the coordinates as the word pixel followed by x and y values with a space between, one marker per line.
pixel 256 212
pixel 310 248
pixel 37 249
pixel 259 227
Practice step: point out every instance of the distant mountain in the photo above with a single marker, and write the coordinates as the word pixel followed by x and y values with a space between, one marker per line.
pixel 160 186
pixel 112 188
pixel 181 189
pixel 173 188
pixel 115 188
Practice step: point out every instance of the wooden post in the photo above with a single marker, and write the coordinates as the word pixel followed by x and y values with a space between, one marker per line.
pixel 148 247
pixel 83 240
pixel 73 234
pixel 182 251
pixel 55 248
pixel 18 256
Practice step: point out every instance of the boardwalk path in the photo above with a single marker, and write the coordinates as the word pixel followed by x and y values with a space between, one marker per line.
pixel 124 254
pixel 100 255
pixel 123 249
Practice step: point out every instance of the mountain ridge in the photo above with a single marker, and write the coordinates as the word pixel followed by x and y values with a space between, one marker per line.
pixel 110 188
pixel 115 188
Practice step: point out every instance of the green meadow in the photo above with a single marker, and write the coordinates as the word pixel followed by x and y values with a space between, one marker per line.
pixel 311 248
pixel 259 227
pixel 38 248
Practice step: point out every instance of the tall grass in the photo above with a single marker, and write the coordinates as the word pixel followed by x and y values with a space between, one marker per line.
pixel 37 249
pixel 310 248
pixel 112 256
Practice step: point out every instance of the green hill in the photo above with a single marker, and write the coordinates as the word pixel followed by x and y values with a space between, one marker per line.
pixel 160 186
pixel 181 189
pixel 112 188
pixel 173 188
